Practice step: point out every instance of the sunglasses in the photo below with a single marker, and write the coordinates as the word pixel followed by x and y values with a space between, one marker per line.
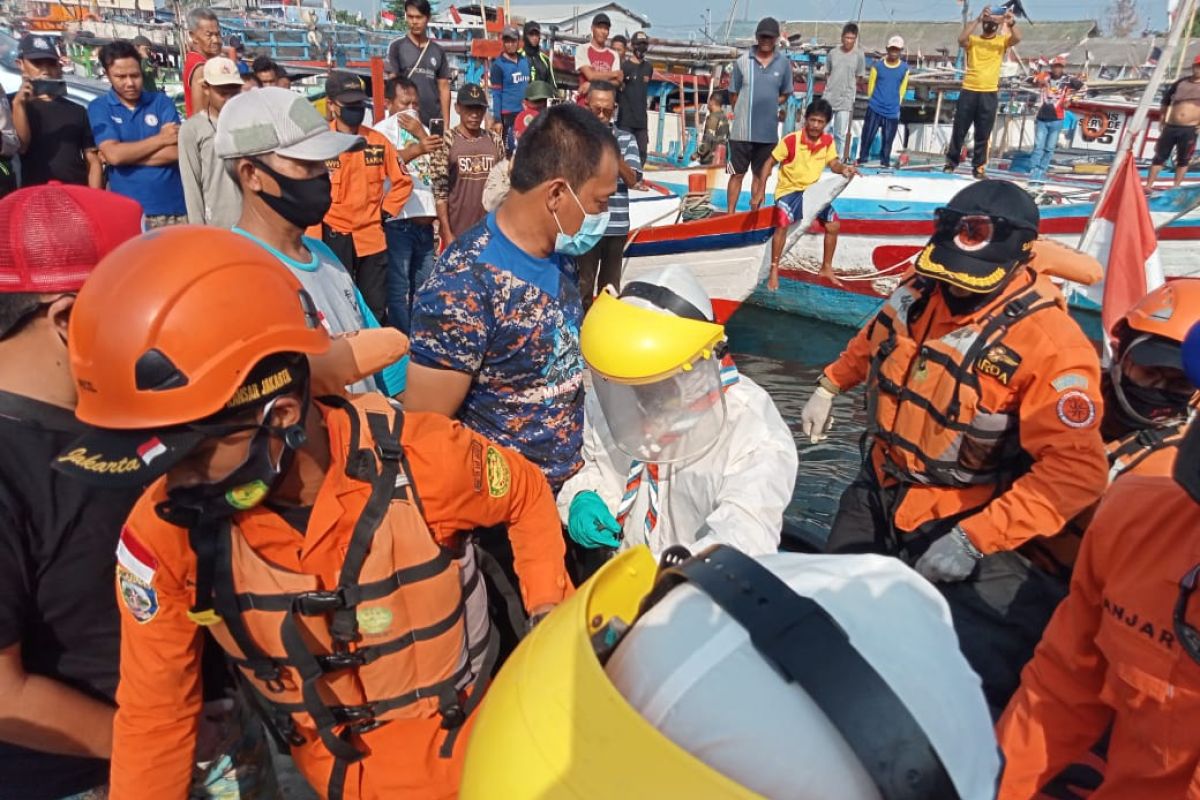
pixel 1187 635
pixel 974 231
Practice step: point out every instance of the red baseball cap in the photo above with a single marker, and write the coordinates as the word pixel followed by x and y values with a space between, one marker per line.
pixel 52 236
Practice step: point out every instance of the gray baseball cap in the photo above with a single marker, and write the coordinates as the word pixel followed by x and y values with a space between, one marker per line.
pixel 274 120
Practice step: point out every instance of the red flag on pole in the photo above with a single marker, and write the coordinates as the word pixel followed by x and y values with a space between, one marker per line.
pixel 1123 239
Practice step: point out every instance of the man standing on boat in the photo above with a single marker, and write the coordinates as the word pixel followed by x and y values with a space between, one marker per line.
pixel 885 90
pixel 1057 88
pixel 761 80
pixel 843 67
pixel 204 42
pixel 509 76
pixel 983 400
pixel 978 99
pixel 596 61
pixel 1180 117
pixel 420 59
pixel 631 111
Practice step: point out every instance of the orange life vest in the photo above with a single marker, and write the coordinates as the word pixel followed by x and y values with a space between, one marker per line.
pixel 925 402
pixel 1057 554
pixel 388 641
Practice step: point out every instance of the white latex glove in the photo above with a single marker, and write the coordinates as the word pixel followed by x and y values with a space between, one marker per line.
pixel 817 416
pixel 950 558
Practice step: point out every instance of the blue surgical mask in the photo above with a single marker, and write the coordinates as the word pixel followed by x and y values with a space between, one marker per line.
pixel 590 231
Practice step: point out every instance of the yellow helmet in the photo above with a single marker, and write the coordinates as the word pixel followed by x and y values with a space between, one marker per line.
pixel 726 676
pixel 579 738
pixel 655 357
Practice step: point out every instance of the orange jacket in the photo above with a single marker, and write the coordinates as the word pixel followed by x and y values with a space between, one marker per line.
pixel 366 185
pixel 463 481
pixel 1046 377
pixel 1110 657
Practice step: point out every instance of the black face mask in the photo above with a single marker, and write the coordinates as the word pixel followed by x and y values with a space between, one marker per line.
pixel 990 27
pixel 961 306
pixel 639 50
pixel 353 115
pixel 1155 405
pixel 301 201
pixel 242 489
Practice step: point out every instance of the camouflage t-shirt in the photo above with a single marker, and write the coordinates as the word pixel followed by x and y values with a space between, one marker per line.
pixel 511 321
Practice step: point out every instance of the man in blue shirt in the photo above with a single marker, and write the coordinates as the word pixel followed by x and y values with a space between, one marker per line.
pixel 136 133
pixel 510 75
pixel 886 88
pixel 761 80
pixel 495 329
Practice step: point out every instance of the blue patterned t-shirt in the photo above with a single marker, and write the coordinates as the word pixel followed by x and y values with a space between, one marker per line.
pixel 511 321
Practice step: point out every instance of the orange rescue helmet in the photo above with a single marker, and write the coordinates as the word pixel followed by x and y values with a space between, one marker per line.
pixel 169 326
pixel 1168 312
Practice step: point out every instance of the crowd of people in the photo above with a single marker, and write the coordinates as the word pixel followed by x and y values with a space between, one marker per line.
pixel 348 411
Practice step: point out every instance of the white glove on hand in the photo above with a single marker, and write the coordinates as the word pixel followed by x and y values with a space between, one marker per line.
pixel 817 416
pixel 950 558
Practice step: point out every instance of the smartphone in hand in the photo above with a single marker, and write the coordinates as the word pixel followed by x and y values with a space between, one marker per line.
pixel 437 127
pixel 48 87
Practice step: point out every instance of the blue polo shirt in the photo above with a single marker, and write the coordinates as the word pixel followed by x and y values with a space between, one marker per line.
pixel 758 89
pixel 158 189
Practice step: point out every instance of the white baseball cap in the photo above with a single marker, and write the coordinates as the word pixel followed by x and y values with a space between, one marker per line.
pixel 896 41
pixel 221 71
pixel 274 120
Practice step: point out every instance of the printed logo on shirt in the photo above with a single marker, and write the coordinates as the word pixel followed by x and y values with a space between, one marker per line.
pixel 1069 381
pixel 374 621
pixel 499 479
pixel 151 120
pixel 135 556
pixel 333 163
pixel 475 166
pixel 1000 363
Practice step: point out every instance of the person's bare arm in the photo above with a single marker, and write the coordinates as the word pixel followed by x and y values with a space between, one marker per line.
pixel 964 38
pixel 163 157
pixel 42 714
pixel 440 391
pixel 196 89
pixel 1014 33
pixel 95 168
pixel 121 154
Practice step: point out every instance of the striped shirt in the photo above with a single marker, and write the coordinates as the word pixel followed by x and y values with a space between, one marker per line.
pixel 758 89
pixel 618 204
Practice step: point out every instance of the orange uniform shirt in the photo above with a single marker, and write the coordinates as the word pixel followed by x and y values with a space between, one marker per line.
pixel 159 695
pixel 1110 657
pixel 365 185
pixel 1050 391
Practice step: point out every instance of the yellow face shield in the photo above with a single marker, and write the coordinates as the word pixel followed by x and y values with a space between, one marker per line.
pixel 657 377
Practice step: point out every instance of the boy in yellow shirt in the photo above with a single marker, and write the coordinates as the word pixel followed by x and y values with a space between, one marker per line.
pixel 802 156
pixel 979 97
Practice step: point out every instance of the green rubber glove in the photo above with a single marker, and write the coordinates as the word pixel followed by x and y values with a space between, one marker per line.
pixel 590 524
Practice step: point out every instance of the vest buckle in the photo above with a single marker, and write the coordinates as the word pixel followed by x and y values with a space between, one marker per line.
pixel 314 604
pixel 340 660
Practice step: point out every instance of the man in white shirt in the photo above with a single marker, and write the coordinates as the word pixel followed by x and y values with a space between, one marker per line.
pixel 410 244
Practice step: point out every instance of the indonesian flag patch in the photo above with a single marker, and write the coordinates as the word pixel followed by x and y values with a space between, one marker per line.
pixel 136 566
pixel 151 450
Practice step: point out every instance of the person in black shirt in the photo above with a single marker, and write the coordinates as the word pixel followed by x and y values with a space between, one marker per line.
pixel 631 108
pixel 56 138
pixel 541 63
pixel 59 627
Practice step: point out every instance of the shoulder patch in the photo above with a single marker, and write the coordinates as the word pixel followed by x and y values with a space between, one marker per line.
pixel 1076 409
pixel 137 595
pixel 999 362
pixel 499 479
pixel 1070 380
